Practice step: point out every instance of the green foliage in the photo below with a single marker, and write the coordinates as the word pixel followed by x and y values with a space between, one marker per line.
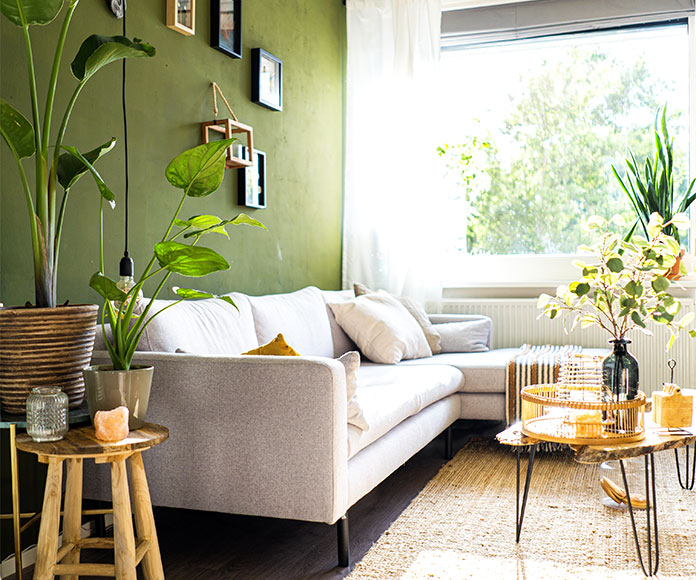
pixel 32 138
pixel 626 286
pixel 652 189
pixel 199 170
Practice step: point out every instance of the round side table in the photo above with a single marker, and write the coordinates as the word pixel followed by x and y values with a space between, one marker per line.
pixel 76 446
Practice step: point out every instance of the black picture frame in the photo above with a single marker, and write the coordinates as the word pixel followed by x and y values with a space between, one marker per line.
pixel 251 181
pixel 226 26
pixel 266 79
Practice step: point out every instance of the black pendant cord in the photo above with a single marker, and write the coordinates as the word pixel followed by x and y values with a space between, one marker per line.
pixel 125 141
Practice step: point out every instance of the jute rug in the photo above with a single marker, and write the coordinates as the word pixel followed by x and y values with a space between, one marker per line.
pixel 462 525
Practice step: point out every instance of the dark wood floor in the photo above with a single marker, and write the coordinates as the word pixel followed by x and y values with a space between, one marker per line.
pixel 212 546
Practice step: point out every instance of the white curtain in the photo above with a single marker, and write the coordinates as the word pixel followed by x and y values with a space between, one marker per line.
pixel 391 238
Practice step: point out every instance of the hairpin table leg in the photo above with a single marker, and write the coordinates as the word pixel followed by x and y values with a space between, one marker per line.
pixel 653 565
pixel 688 482
pixel 520 513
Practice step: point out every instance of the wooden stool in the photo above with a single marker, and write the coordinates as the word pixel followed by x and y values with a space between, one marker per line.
pixel 79 444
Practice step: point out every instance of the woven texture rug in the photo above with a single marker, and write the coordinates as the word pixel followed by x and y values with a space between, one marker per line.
pixel 462 525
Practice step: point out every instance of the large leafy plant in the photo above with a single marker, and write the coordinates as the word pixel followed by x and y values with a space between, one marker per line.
pixel 624 285
pixel 198 172
pixel 55 162
pixel 651 187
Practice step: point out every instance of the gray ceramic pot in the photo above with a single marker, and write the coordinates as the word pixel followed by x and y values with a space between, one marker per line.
pixel 107 389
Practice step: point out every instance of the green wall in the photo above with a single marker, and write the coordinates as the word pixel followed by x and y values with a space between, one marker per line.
pixel 168 97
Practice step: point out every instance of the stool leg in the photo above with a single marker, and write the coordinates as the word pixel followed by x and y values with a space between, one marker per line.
pixel 144 519
pixel 50 520
pixel 124 541
pixel 72 516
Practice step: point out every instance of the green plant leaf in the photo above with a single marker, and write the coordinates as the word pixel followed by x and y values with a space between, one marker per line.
pixel 71 168
pixel 194 261
pixel 32 11
pixel 199 171
pixel 692 333
pixel 206 224
pixel 633 288
pixel 105 192
pixel 241 219
pixel 615 265
pixel 190 293
pixel 579 288
pixel 637 319
pixel 97 51
pixel 660 284
pixel 106 287
pixel 543 301
pixel 681 221
pixel 16 130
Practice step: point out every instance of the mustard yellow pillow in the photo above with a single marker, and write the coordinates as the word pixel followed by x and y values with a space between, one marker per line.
pixel 277 347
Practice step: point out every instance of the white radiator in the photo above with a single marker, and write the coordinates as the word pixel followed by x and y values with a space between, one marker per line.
pixel 515 323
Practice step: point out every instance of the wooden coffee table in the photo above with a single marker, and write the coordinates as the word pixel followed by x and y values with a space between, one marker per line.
pixel 655 440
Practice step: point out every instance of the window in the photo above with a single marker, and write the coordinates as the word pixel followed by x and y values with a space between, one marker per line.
pixel 531 128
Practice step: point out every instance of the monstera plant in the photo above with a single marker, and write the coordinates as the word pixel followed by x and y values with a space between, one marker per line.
pixel 27 357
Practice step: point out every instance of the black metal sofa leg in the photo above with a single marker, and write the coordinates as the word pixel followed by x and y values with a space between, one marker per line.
pixel 343 542
pixel 448 443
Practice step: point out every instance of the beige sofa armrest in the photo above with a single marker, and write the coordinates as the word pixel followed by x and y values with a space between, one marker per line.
pixel 260 435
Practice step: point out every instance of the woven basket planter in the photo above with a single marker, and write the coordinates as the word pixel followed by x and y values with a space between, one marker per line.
pixel 44 346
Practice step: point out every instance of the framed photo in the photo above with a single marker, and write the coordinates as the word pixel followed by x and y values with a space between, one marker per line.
pixel 251 181
pixel 181 16
pixel 266 79
pixel 226 26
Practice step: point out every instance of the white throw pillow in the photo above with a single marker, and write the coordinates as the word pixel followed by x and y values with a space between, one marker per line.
pixel 351 362
pixel 382 328
pixel 415 310
pixel 465 336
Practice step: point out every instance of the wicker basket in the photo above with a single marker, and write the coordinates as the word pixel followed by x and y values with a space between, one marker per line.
pixel 566 413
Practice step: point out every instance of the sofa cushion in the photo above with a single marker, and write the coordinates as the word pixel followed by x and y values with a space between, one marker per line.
pixel 341 341
pixel 415 310
pixel 351 362
pixel 207 326
pixel 301 317
pixel 382 328
pixel 389 394
pixel 465 336
pixel 484 372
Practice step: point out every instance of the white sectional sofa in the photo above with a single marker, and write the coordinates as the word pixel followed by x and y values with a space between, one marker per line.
pixel 268 435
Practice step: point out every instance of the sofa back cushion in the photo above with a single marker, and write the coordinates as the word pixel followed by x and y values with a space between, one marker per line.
pixel 300 316
pixel 208 326
pixel 341 341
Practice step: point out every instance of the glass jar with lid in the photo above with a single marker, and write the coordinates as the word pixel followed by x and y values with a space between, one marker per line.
pixel 47 414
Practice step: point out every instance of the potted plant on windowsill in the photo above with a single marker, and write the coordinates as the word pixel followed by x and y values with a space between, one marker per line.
pixel 27 357
pixel 624 286
pixel 651 189
pixel 198 172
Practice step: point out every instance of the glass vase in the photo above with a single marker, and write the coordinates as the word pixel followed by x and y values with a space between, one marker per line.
pixel 620 373
pixel 47 414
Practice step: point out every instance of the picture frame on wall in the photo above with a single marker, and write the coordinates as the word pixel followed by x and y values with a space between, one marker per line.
pixel 251 181
pixel 226 26
pixel 181 16
pixel 266 79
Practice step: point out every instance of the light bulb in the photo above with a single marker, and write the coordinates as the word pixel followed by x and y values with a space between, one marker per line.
pixel 126 282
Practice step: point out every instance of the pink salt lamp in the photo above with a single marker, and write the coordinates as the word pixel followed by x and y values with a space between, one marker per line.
pixel 111 425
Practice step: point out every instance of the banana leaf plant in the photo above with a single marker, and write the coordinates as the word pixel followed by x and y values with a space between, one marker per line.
pixel 56 163
pixel 198 172
pixel 651 188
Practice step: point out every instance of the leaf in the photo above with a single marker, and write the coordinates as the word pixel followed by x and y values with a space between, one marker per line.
pixel 207 224
pixel 686 319
pixel 32 11
pixel 190 293
pixel 16 130
pixel 199 171
pixel 692 333
pixel 106 287
pixel 633 288
pixel 97 51
pixel 71 168
pixel 191 261
pixel 242 218
pixel 615 265
pixel 543 300
pixel 681 221
pixel 660 284
pixel 637 319
pixel 589 272
pixel 105 192
pixel 579 288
